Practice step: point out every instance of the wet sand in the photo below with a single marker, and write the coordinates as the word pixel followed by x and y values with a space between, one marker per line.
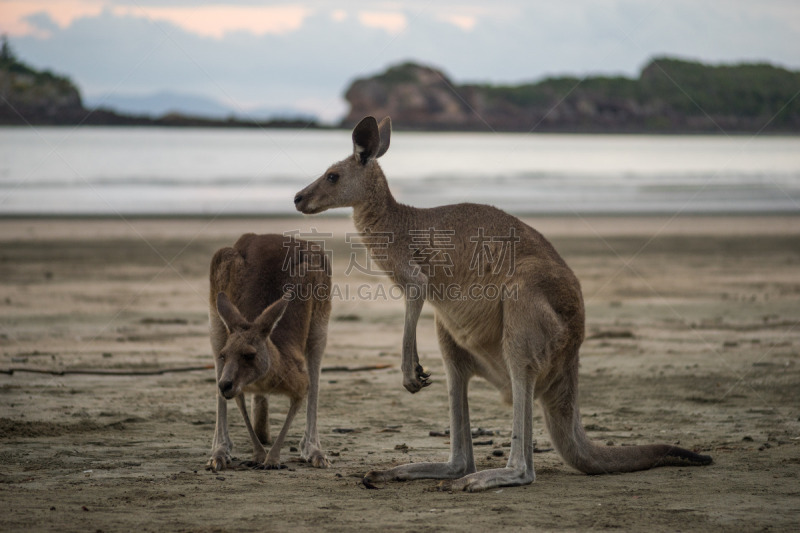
pixel 693 336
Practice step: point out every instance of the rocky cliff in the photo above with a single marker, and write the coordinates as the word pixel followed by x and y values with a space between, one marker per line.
pixel 35 97
pixel 669 96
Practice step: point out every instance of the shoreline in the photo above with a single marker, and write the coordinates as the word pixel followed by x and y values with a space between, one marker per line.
pixel 336 226
pixel 347 214
pixel 245 126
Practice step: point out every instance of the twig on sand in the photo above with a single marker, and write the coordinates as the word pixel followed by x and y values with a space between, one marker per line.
pixel 104 371
pixel 354 368
pixel 159 371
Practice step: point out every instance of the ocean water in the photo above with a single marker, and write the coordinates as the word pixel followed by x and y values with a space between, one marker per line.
pixel 218 172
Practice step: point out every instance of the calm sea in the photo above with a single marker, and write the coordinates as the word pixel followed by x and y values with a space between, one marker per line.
pixel 130 171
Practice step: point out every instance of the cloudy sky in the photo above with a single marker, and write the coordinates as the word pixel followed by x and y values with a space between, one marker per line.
pixel 303 54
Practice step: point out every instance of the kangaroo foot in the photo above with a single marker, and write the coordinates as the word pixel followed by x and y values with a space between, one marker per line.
pixel 488 479
pixel 263 466
pixel 219 460
pixel 376 476
pixel 317 459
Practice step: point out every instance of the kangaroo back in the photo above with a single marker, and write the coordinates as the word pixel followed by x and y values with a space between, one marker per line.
pixel 259 269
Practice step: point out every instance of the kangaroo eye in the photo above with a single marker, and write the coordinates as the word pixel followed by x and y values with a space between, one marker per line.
pixel 333 177
pixel 249 354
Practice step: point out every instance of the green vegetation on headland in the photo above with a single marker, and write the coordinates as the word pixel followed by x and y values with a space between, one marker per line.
pixel 32 97
pixel 26 92
pixel 670 96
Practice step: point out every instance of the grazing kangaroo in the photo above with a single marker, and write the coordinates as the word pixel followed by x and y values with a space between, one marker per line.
pixel 266 340
pixel 524 343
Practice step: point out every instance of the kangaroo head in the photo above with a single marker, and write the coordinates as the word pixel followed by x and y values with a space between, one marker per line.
pixel 248 352
pixel 350 181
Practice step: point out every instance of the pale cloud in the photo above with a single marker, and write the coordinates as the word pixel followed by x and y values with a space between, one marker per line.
pixel 217 20
pixel 205 20
pixel 465 22
pixel 13 14
pixel 339 15
pixel 390 21
pixel 100 43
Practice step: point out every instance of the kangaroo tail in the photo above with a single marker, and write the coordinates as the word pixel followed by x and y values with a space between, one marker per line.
pixel 563 421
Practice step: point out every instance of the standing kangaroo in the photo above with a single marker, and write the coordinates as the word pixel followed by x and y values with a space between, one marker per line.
pixel 526 344
pixel 266 341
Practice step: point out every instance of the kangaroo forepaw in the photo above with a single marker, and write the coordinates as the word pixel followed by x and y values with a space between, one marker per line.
pixel 421 373
pixel 417 381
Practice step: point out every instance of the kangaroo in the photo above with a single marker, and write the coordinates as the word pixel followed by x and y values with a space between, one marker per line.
pixel 269 309
pixel 525 342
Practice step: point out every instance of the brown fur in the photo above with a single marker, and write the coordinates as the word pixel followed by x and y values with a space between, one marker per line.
pixel 526 345
pixel 266 340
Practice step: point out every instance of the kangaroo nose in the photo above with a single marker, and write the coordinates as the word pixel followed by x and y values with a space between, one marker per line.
pixel 225 387
pixel 298 199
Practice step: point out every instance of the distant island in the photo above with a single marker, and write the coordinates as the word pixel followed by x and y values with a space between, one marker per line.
pixel 42 98
pixel 669 96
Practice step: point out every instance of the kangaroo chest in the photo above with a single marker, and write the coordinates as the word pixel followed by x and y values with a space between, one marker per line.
pixel 476 326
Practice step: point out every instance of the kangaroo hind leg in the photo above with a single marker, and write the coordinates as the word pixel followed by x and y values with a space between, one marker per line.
pixel 524 349
pixel 519 469
pixel 310 447
pixel 458 366
pixel 260 405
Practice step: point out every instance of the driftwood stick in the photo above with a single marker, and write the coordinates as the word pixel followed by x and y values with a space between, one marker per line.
pixel 354 368
pixel 160 371
pixel 105 372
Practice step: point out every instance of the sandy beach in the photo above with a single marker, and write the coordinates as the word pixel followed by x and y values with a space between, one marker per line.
pixel 693 337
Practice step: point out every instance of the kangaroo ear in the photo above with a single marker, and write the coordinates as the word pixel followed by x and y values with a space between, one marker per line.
pixel 366 140
pixel 229 314
pixel 384 133
pixel 270 316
